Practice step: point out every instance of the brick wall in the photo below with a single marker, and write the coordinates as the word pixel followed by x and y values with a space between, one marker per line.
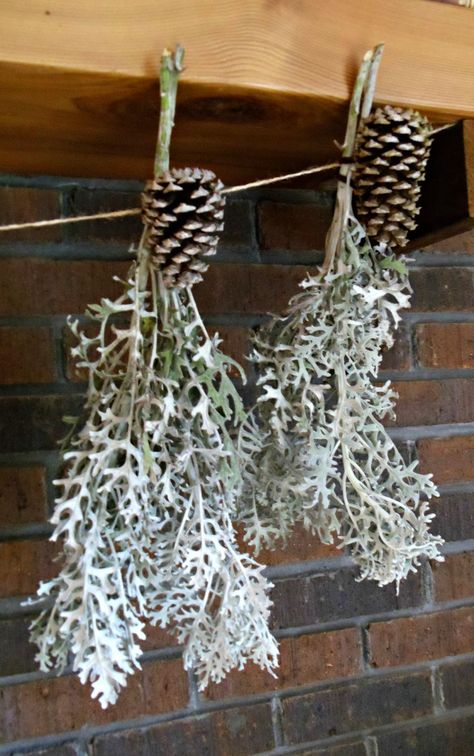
pixel 363 671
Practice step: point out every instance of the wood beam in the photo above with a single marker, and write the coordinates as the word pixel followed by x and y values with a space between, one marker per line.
pixel 462 3
pixel 265 89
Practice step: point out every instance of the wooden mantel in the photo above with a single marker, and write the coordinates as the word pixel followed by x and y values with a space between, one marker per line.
pixel 265 88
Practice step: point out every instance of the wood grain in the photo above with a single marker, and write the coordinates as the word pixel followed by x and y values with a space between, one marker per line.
pixel 265 87
pixel 460 3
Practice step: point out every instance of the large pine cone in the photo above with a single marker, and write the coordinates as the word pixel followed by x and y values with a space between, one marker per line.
pixel 184 210
pixel 392 151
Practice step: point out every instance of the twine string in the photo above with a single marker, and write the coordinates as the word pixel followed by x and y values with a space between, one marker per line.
pixel 109 215
pixel 137 210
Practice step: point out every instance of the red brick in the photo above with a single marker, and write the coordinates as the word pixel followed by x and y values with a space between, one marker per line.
pixel 16 652
pixel 423 638
pixel 65 749
pixel 22 495
pixel 181 737
pixel 454 516
pixel 445 345
pixel 50 287
pixel 303 660
pixel 61 704
pixel 452 737
pixel 26 355
pixel 234 732
pixel 399 356
pixel 35 423
pixel 300 547
pixel 235 343
pixel 453 577
pixel 165 686
pixel 87 201
pixel 157 637
pixel 243 731
pixel 293 227
pixel 239 222
pixel 356 706
pixel 25 204
pixel 23 564
pixel 354 748
pixel 442 289
pixel 460 243
pixel 434 402
pixel 255 289
pixel 329 596
pixel 458 684
pixel 449 459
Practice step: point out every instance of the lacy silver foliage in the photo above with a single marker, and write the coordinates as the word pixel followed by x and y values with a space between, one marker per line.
pixel 147 500
pixel 315 450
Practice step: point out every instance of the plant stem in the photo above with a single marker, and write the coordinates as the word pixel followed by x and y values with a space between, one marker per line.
pixel 371 81
pixel 361 103
pixel 171 67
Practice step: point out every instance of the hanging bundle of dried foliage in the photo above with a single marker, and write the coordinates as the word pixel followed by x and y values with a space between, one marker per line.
pixel 315 449
pixel 151 483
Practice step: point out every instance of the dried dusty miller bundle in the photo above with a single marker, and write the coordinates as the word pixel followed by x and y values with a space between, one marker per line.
pixel 323 456
pixel 315 449
pixel 147 503
pixel 149 496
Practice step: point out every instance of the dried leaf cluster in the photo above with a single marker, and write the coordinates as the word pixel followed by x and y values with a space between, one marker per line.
pixel 315 450
pixel 148 500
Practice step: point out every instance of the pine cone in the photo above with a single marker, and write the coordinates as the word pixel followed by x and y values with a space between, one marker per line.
pixel 184 209
pixel 392 151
